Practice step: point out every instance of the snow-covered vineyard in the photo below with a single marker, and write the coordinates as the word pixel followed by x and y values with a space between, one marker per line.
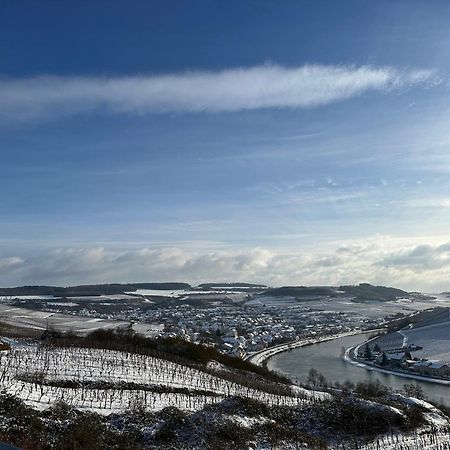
pixel 417 441
pixel 435 435
pixel 108 381
pixel 39 376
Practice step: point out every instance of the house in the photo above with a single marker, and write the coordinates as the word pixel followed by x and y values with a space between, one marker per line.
pixel 398 359
pixel 431 368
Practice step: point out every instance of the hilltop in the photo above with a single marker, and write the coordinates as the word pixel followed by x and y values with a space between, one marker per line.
pixel 91 289
pixel 360 293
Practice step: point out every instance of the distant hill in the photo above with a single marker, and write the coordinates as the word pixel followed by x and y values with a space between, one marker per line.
pixel 232 285
pixel 90 289
pixel 367 292
pixel 301 291
pixel 361 293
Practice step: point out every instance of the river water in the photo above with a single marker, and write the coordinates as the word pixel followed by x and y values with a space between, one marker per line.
pixel 327 358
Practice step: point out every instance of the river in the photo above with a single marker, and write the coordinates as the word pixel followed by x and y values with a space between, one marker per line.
pixel 327 359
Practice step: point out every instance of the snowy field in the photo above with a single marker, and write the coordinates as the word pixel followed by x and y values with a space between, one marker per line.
pixel 28 297
pixel 41 320
pixel 71 297
pixel 376 309
pixel 272 301
pixel 435 340
pixel 433 337
pixel 36 374
pixel 183 293
pixel 159 293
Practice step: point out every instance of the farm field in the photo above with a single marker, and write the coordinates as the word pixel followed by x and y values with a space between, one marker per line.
pixel 41 320
pixel 435 340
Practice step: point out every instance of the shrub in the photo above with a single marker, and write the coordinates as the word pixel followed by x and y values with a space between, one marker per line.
pixel 413 390
pixel 87 432
pixel 371 389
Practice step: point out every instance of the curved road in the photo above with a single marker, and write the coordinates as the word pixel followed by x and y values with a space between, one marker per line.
pixel 258 358
pixel 350 360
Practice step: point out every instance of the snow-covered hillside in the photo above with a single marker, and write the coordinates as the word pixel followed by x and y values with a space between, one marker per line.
pixel 40 377
pixel 434 340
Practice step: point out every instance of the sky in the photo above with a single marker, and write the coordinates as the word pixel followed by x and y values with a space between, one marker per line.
pixel 286 143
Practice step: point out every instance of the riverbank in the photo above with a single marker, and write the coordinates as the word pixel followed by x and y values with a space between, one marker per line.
pixel 259 358
pixel 348 358
pixel 328 359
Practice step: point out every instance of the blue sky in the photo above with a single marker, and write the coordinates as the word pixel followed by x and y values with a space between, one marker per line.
pixel 288 143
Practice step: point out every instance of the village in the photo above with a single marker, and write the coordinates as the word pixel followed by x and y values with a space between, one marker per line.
pixel 379 353
pixel 236 329
pixel 241 330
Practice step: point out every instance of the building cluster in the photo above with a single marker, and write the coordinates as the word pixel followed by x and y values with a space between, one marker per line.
pixel 401 359
pixel 245 329
pixel 236 328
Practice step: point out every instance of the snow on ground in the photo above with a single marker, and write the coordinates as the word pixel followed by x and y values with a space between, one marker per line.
pixel 159 293
pixel 28 297
pixel 148 329
pixel 180 292
pixel 433 416
pixel 414 441
pixel 435 340
pixel 248 422
pixel 433 436
pixel 66 304
pixel 41 320
pixel 348 357
pixel 108 297
pixel 376 309
pixel 272 301
pixel 112 367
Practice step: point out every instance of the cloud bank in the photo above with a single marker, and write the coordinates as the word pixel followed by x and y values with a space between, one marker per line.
pixel 378 260
pixel 267 86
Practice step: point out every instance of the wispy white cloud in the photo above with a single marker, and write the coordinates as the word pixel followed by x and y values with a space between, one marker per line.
pixel 10 263
pixel 267 86
pixel 420 258
pixel 412 264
